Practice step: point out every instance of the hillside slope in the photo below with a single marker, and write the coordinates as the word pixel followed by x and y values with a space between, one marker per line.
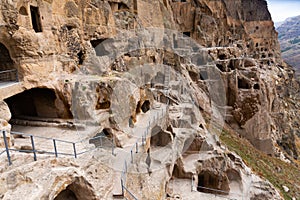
pixel 289 38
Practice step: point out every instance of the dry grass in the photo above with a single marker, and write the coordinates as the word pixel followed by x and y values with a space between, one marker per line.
pixel 275 170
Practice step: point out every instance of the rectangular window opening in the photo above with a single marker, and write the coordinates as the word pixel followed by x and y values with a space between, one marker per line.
pixel 36 19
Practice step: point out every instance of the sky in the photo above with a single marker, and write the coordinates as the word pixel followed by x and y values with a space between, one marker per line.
pixel 283 9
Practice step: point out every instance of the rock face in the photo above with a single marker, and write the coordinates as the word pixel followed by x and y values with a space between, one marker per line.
pixel 112 64
pixel 288 35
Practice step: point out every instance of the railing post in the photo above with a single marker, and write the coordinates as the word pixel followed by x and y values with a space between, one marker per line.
pixel 17 76
pixel 33 147
pixel 74 148
pixel 6 148
pixel 122 187
pixel 55 149
pixel 113 146
pixel 131 156
pixel 136 148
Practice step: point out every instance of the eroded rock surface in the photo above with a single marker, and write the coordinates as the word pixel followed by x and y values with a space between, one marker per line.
pixel 111 64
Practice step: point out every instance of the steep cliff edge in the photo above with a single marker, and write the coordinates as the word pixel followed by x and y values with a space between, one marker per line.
pixel 202 68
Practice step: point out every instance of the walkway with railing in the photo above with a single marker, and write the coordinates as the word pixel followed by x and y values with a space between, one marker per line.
pixel 136 146
pixel 52 146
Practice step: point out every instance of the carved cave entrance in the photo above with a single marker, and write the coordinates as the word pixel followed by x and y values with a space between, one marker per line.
pixel 78 190
pixel 7 66
pixel 37 104
pixel 208 182
pixel 160 138
pixel 36 19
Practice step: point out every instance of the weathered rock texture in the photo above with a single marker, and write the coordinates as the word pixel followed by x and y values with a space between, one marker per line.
pixel 70 56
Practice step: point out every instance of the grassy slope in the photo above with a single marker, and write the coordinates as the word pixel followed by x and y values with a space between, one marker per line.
pixel 276 171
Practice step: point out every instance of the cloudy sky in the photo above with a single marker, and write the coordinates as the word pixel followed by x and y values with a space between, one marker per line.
pixel 282 9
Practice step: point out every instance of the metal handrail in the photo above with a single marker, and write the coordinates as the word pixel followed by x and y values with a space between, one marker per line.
pixel 41 137
pixel 7 71
pixel 15 71
pixel 2 152
pixel 131 194
pixel 53 140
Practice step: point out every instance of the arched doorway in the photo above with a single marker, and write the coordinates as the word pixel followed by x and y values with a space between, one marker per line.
pixel 37 103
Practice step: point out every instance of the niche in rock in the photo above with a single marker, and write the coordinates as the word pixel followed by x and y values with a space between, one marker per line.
pixel 99 47
pixel 38 103
pixel 192 145
pixel 194 76
pixel 23 11
pixel 145 106
pixel 116 6
pixel 36 19
pixel 102 139
pixel 104 94
pixel 221 67
pixel 80 189
pixel 243 83
pixel 160 138
pixel 256 86
pixel 6 63
pixel 138 108
pixel 208 182
pixel 186 34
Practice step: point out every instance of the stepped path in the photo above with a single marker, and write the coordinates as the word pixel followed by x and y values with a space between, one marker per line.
pixel 135 143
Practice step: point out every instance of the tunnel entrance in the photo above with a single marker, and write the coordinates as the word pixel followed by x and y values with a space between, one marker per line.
pixel 208 182
pixel 37 103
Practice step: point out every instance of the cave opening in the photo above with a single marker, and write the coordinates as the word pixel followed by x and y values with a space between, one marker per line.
pixel 186 34
pixel 37 103
pixel 145 106
pixel 116 6
pixel 80 56
pixel 222 56
pixel 99 47
pixel 243 84
pixel 79 189
pixel 194 76
pixel 36 19
pixel 256 86
pixel 7 66
pixel 102 139
pixel 138 107
pixel 160 138
pixel 208 182
pixel 221 67
pixel 23 11
pixel 66 194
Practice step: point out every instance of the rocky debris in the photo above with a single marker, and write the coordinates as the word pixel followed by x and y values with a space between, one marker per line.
pixel 285 188
pixel 5 112
pixel 104 65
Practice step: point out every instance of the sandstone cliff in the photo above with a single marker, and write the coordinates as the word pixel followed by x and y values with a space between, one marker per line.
pixel 204 65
